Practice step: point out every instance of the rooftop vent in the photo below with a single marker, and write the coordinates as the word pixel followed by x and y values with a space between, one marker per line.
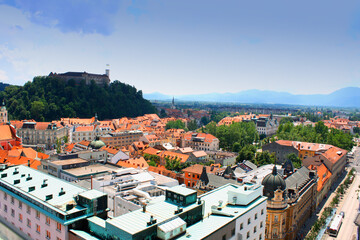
pixel 28 177
pixel 179 210
pixel 152 221
pixel 48 197
pixel 32 188
pixel 62 192
pixel 44 183
pixel 16 181
pixel 3 175
pixel 22 175
pixel 16 171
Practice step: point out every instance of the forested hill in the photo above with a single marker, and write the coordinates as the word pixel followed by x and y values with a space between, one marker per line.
pixel 3 86
pixel 47 98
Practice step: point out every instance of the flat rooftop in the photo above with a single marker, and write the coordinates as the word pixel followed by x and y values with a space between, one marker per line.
pixel 211 222
pixel 89 170
pixel 136 221
pixel 22 179
pixel 68 161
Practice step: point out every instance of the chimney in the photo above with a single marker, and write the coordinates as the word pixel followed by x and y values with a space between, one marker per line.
pixel 28 162
pixel 144 208
pixel 91 181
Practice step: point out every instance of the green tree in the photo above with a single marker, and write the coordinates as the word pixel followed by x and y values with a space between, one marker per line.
pixel 178 124
pixel 296 161
pixel 263 158
pixel 37 109
pixel 246 153
pixel 163 113
pixel 192 125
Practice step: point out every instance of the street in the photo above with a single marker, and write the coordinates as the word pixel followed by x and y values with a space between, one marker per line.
pixel 350 203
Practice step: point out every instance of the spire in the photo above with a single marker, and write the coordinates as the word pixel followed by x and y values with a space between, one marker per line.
pixel 204 177
pixel 173 103
pixel 274 172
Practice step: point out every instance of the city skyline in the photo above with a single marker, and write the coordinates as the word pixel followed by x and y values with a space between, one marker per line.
pixel 203 47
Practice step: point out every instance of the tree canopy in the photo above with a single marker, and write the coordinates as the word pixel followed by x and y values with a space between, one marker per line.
pixel 177 124
pixel 49 98
pixel 235 136
pixel 318 134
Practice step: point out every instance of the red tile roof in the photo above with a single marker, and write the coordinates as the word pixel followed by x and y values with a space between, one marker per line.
pixel 138 162
pixel 334 154
pixel 84 129
pixel 197 169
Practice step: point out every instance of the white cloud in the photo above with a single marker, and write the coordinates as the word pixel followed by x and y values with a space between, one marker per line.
pixel 3 76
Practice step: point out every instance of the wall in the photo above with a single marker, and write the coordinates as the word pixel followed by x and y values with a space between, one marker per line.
pixel 29 214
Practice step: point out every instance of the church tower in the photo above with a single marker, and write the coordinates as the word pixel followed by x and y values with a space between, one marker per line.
pixel 173 104
pixel 3 114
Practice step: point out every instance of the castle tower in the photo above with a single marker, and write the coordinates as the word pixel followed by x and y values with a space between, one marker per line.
pixel 3 113
pixel 107 70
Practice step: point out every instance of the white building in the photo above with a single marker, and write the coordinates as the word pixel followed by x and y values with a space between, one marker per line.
pixel 40 206
pixel 128 189
pixel 231 212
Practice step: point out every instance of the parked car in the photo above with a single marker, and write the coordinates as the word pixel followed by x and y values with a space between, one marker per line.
pixel 342 214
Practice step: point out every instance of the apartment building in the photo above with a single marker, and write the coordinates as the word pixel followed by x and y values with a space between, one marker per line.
pixel 40 206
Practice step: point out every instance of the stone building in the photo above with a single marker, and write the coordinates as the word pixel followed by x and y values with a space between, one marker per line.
pixel 41 134
pixel 290 203
pixel 99 79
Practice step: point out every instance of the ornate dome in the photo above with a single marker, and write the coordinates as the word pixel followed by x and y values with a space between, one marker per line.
pixel 97 144
pixel 272 182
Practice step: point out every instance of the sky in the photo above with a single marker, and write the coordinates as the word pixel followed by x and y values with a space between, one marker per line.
pixel 182 47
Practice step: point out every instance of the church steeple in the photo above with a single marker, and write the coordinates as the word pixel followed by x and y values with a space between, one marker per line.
pixel 3 113
pixel 173 103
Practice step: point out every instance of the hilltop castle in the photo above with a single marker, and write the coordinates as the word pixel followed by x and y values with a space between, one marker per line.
pixel 100 79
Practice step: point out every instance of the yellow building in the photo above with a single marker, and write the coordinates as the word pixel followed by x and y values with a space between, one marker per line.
pixel 290 203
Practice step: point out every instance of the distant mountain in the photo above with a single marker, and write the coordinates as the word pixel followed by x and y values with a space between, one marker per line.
pixel 3 86
pixel 345 97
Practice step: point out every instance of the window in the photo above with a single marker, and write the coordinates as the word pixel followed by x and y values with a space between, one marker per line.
pixel 241 226
pixel 5 196
pixel 5 208
pixel 255 216
pixel 37 228
pixel 276 218
pixel 260 237
pixel 29 223
pixel 249 221
pixel 28 210
pixel 20 217
pixel 261 224
pixel 247 234
pixel 48 235
pixel 262 211
pixel 58 227
pixel 37 214
pixel 255 229
pixel 12 212
pixel 47 220
pixel 233 232
pixel 57 238
pixel 12 200
pixel 224 237
pixel 20 205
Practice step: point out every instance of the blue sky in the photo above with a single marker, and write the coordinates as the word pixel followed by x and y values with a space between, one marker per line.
pixel 186 47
